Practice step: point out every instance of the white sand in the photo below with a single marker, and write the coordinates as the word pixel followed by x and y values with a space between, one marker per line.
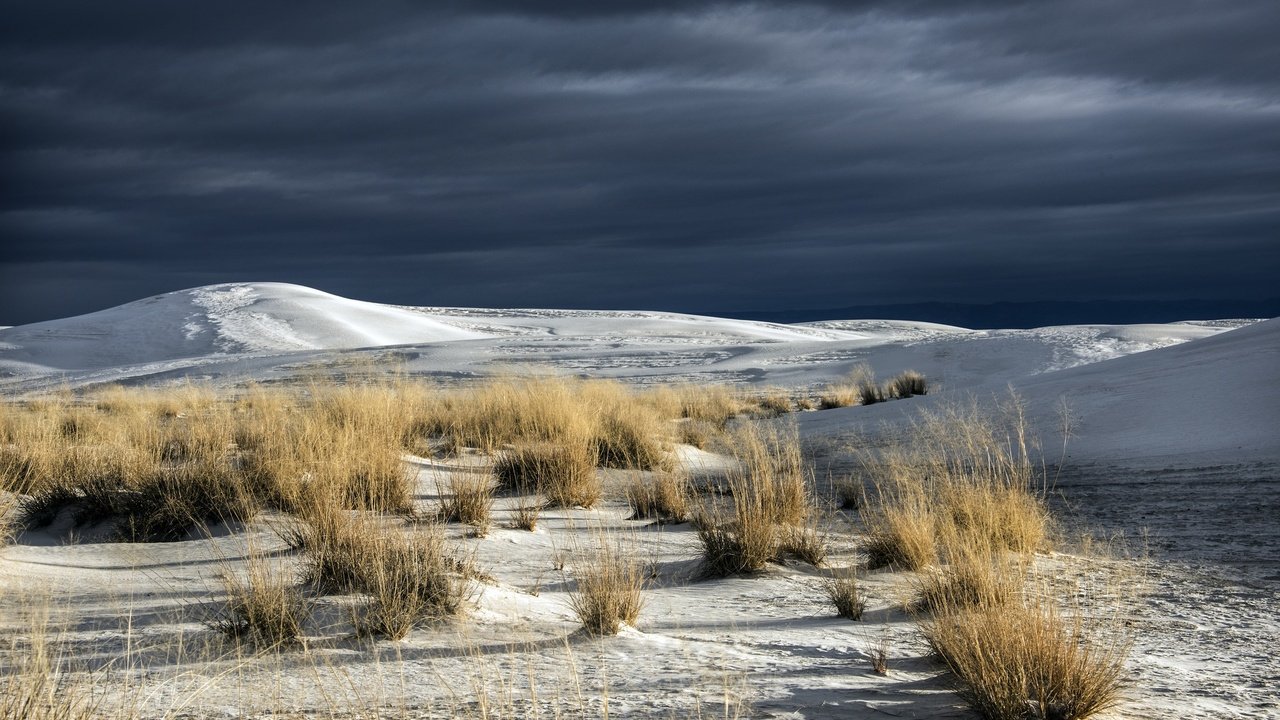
pixel 1175 432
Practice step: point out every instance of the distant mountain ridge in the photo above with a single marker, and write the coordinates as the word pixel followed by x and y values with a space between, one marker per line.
pixel 1002 315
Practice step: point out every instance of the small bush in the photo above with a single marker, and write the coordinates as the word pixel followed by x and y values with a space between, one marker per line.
pixel 264 608
pixel 972 578
pixel 665 497
pixel 609 592
pixel 806 543
pixel 410 579
pixel 564 474
pixel 844 594
pixel 1027 661
pixel 906 384
pixel 467 499
pixel 524 516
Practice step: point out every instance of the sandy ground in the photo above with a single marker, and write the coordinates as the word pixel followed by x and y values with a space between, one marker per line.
pixel 1174 450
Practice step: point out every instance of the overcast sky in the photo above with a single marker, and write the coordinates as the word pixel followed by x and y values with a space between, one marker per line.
pixel 610 154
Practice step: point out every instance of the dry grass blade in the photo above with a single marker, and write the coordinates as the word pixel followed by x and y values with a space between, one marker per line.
pixel 665 497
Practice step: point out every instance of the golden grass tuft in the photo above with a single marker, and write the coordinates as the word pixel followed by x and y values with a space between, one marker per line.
pixel 410 579
pixel 665 496
pixel 265 608
pixel 958 478
pixel 564 474
pixel 1027 660
pixel 772 501
pixel 467 499
pixel 609 590
pixel 845 596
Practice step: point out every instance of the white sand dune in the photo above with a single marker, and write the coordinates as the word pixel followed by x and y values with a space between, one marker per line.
pixel 238 318
pixel 1174 431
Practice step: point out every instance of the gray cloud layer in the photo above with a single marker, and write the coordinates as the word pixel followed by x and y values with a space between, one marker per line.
pixel 675 155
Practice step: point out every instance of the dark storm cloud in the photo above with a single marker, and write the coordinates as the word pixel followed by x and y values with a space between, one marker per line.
pixel 681 155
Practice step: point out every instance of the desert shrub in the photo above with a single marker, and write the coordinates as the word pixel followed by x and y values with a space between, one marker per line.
pixel 1027 660
pixel 665 496
pixel 848 391
pixel 630 439
pixel 526 511
pixel 773 403
pixel 467 499
pixel 410 579
pixel 804 542
pixel 564 474
pixel 264 608
pixel 906 384
pixel 609 589
pixel 973 577
pixel 844 594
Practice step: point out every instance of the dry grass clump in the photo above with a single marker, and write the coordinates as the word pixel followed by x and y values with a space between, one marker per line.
pixel 959 479
pixel 844 594
pixel 698 433
pixel 410 579
pixel 906 384
pixel 771 497
pixel 1027 660
pixel 805 542
pixel 524 516
pixel 744 544
pixel 712 404
pixel 631 439
pixel 610 589
pixel 861 388
pixel 564 474
pixel 467 499
pixel 265 608
pixel 665 497
pixel 773 403
pixel 973 577
pixel 849 391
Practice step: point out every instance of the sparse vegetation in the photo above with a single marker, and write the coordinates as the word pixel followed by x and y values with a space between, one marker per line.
pixel 956 500
pixel 665 496
pixel 609 590
pixel 1027 660
pixel 467 498
pixel 843 592
pixel 265 608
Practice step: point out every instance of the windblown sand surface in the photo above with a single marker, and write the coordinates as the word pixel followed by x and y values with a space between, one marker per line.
pixel 1172 445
